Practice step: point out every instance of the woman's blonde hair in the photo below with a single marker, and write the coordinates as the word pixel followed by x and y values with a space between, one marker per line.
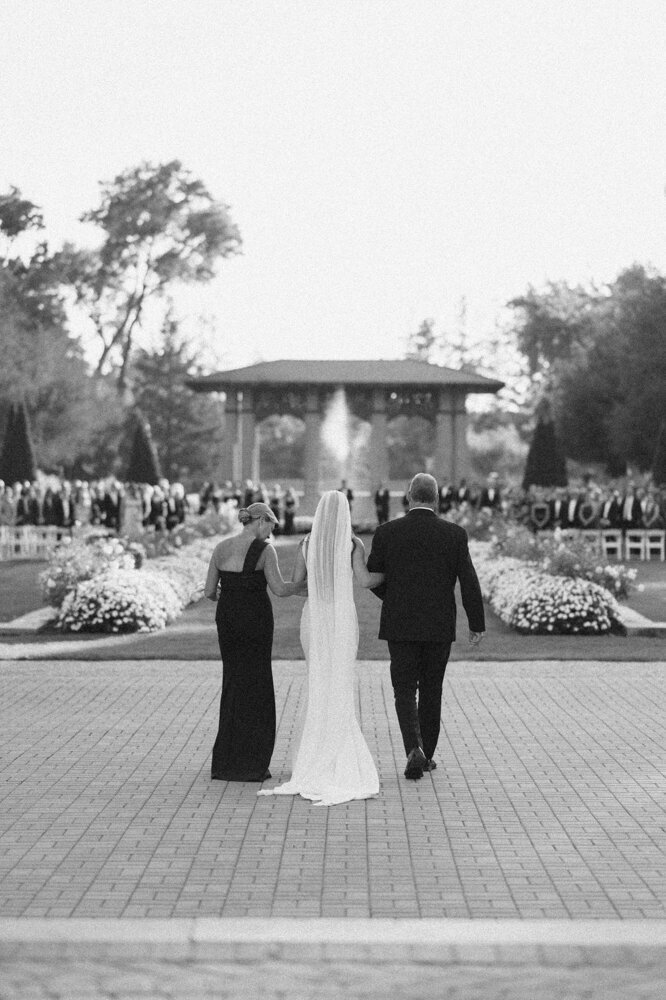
pixel 256 511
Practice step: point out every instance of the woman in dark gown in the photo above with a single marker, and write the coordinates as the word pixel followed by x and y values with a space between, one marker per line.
pixel 241 567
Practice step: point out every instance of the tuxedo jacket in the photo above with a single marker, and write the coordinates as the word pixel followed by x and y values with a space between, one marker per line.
pixel 636 519
pixel 422 556
pixel 485 501
pixel 613 514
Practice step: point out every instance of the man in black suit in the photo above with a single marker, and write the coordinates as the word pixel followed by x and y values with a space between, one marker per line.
pixel 491 498
pixel 421 557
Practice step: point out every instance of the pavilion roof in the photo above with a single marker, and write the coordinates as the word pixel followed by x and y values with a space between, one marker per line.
pixel 390 373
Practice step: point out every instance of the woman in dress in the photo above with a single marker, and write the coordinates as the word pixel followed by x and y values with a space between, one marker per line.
pixel 331 760
pixel 240 567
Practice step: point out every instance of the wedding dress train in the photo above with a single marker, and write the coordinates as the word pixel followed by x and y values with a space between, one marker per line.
pixel 331 759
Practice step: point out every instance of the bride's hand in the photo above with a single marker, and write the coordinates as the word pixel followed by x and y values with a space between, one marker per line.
pixel 358 544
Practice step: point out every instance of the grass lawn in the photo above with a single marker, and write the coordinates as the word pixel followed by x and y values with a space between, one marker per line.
pixel 193 636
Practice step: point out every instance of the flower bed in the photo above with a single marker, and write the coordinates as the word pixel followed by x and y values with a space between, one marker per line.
pixel 533 601
pixel 119 599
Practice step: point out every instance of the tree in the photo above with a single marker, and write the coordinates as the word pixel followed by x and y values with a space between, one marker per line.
pixel 421 345
pixel 187 427
pixel 545 464
pixel 143 465
pixel 611 397
pixel 549 325
pixel 160 226
pixel 42 364
pixel 17 460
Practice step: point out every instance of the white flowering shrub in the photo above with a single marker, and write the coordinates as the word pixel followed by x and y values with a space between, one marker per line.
pixel 74 560
pixel 137 600
pixel 533 601
pixel 118 601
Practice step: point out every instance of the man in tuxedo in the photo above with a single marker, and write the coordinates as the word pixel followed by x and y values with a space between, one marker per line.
pixel 445 498
pixel 571 519
pixel 490 498
pixel 611 511
pixel 382 503
pixel 558 505
pixel 632 515
pixel 421 556
pixel 112 506
pixel 348 492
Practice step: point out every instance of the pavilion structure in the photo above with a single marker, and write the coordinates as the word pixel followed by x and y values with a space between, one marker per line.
pixel 376 391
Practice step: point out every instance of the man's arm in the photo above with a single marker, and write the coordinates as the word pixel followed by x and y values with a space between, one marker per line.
pixel 377 560
pixel 470 591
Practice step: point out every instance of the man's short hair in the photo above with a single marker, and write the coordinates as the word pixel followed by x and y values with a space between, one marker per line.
pixel 423 488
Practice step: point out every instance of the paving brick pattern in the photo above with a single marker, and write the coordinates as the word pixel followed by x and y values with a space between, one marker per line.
pixel 549 799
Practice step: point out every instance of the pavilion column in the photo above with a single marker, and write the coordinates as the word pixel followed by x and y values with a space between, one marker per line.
pixel 461 459
pixel 246 436
pixel 379 464
pixel 444 465
pixel 312 452
pixel 230 442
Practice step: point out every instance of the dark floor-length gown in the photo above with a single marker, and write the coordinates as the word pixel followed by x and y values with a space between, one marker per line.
pixel 246 734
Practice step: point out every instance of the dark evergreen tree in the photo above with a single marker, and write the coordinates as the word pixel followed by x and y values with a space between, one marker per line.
pixel 659 460
pixel 545 465
pixel 17 461
pixel 143 465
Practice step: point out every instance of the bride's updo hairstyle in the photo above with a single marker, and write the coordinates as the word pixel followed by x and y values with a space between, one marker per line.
pixel 255 512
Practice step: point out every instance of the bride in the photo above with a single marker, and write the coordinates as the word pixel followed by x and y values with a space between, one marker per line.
pixel 331 760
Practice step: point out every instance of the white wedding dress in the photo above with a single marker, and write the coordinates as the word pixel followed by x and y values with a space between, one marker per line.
pixel 331 760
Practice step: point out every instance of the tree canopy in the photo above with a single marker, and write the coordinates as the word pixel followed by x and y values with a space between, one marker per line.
pixel 160 226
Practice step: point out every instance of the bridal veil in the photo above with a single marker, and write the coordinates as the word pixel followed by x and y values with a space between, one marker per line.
pixel 332 762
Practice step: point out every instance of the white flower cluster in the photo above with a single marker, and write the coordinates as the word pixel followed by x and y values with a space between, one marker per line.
pixel 143 600
pixel 73 561
pixel 532 601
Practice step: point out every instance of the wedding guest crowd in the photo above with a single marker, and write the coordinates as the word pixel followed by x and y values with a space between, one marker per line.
pixel 100 503
pixel 593 506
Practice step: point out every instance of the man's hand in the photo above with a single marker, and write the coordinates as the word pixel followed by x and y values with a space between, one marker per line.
pixel 475 637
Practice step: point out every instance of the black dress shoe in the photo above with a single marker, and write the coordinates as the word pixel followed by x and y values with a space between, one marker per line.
pixel 430 765
pixel 416 764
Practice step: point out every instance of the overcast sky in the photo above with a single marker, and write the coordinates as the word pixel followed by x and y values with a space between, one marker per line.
pixel 382 158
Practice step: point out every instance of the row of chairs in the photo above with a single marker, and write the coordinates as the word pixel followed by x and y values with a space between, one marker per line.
pixel 28 541
pixel 615 544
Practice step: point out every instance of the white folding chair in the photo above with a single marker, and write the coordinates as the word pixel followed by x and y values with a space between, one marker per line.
pixel 591 536
pixel 655 543
pixel 611 543
pixel 634 544
pixel 569 534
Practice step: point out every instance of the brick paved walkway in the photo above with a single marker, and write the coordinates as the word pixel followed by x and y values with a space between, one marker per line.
pixel 549 799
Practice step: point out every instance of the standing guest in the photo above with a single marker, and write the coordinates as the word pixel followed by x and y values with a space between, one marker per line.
pixel 242 566
pixel 588 510
pixel 571 519
pixel 113 503
pixel 610 515
pixel 66 507
pixel 541 511
pixel 205 496
pixel 348 492
pixel 7 505
pixel 97 511
pixel 462 494
pixel 27 507
pixel 558 508
pixel 632 515
pixel 446 498
pixel 237 494
pixel 290 508
pixel 490 498
pixel 382 503
pixel 146 502
pixel 158 509
pixel 651 513
pixel 227 491
pixel 175 500
pixel 248 493
pixel 49 512
pixel 275 503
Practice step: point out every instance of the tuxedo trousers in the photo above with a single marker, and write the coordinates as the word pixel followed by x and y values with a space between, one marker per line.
pixel 417 674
